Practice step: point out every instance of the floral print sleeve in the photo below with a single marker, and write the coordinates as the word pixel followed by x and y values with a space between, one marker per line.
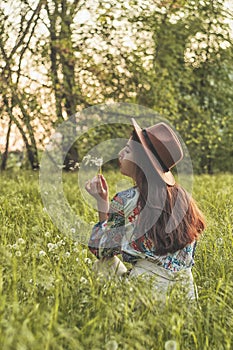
pixel 106 237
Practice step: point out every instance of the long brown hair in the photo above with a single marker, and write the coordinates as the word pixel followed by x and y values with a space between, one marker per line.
pixel 168 214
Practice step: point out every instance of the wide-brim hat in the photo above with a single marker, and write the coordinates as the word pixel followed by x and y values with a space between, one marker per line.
pixel 162 147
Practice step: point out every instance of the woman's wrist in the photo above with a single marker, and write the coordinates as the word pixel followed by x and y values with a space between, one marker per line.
pixel 103 216
pixel 103 206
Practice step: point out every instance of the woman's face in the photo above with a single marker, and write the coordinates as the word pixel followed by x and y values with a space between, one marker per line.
pixel 126 160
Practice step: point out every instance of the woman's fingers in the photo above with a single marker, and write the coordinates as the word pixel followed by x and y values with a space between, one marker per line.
pixel 97 185
pixel 103 182
pixel 87 185
pixel 98 188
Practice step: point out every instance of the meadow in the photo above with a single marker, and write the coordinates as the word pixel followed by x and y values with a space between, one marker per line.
pixel 50 299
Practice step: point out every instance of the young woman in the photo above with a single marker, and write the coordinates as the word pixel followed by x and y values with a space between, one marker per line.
pixel 155 224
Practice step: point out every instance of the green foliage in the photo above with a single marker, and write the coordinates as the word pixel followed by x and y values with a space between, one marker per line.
pixel 172 56
pixel 191 79
pixel 51 299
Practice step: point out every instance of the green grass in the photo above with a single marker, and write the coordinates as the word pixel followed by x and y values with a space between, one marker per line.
pixel 51 299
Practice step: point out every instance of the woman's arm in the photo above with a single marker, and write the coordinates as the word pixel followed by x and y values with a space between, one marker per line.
pixel 106 235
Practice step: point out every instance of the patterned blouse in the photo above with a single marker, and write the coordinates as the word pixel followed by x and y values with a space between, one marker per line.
pixel 116 236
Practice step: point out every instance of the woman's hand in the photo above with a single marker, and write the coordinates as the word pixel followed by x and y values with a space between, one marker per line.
pixel 98 188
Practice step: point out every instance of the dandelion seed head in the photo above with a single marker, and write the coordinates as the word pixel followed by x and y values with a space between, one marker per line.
pixel 52 246
pixel 42 253
pixel 171 345
pixel 21 241
pixel 97 161
pixel 111 345
pixel 89 160
pixel 87 261
pixel 61 242
pixel 83 280
pixel 18 253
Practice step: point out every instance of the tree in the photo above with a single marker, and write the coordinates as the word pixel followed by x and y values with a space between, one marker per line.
pixel 191 79
pixel 12 96
pixel 173 56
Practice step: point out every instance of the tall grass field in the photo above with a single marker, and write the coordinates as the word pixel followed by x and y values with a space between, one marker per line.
pixel 50 298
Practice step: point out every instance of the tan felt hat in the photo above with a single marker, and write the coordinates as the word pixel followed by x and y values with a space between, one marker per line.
pixel 163 148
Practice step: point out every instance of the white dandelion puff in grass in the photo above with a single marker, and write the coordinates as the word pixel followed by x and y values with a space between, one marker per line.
pixel 18 253
pixel 111 345
pixel 83 280
pixel 52 246
pixel 61 243
pixel 42 253
pixel 219 241
pixel 87 261
pixel 21 241
pixel 171 345
pixel 84 252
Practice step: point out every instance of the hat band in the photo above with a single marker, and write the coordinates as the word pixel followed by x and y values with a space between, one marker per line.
pixel 153 150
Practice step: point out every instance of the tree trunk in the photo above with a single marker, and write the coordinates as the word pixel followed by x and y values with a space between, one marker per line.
pixel 5 153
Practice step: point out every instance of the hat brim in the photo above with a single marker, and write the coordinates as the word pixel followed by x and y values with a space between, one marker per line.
pixel 165 176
